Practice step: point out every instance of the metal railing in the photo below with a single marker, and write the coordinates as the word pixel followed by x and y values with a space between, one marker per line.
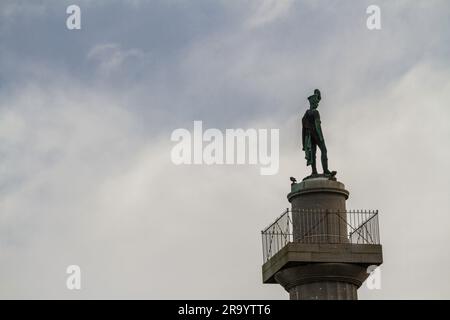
pixel 320 226
pixel 277 235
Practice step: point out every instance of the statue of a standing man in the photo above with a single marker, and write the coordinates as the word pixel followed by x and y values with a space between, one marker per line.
pixel 312 136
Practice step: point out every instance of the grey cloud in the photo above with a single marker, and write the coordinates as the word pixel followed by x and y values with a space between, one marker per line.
pixel 86 117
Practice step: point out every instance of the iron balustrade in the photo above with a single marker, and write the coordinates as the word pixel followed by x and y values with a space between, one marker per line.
pixel 320 226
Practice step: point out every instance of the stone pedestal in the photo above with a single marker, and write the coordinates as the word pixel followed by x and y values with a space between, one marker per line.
pixel 318 211
pixel 321 263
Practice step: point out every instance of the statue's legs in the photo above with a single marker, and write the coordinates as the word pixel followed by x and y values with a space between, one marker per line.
pixel 324 157
pixel 313 160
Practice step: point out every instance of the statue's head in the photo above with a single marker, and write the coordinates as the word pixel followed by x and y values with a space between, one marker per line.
pixel 315 99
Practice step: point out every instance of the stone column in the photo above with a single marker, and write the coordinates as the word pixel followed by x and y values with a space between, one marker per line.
pixel 322 281
pixel 319 216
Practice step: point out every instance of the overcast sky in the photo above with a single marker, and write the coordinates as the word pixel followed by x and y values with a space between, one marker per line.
pixel 86 117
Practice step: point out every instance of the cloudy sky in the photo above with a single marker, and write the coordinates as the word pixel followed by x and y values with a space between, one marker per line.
pixel 86 117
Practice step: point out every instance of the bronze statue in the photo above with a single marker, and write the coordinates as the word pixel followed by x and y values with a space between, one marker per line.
pixel 312 137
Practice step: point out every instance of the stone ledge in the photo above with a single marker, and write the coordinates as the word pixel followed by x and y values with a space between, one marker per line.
pixel 317 185
pixel 295 254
